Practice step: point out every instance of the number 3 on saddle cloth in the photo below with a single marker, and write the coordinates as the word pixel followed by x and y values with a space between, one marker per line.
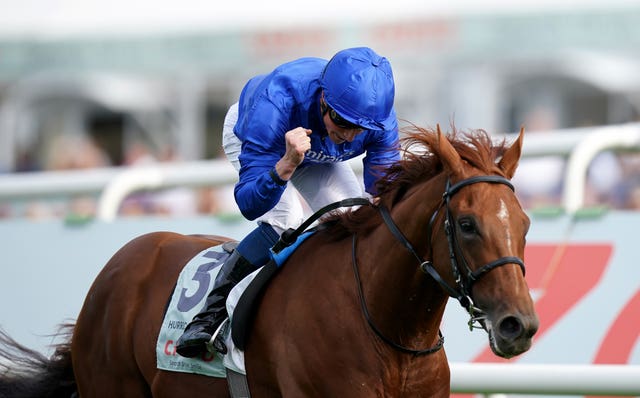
pixel 189 295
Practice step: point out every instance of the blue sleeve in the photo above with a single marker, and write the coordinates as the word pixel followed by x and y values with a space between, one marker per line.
pixel 263 145
pixel 382 150
pixel 257 192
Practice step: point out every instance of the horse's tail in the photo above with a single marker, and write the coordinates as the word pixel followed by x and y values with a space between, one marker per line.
pixel 25 373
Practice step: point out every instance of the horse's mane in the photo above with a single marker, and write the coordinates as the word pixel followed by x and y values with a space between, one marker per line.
pixel 420 162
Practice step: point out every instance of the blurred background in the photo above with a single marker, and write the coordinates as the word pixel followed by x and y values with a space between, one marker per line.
pixel 86 85
pixel 111 116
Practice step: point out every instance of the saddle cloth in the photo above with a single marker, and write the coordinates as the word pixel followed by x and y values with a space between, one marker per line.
pixel 189 296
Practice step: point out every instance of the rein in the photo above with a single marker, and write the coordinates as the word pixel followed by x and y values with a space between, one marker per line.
pixel 288 237
pixel 373 327
pixel 462 290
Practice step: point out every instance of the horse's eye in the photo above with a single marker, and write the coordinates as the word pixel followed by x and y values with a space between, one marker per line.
pixel 467 225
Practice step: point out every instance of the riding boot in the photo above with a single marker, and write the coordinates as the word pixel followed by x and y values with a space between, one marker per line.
pixel 251 253
pixel 198 333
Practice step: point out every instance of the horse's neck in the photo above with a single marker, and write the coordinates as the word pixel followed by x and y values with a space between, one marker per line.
pixel 405 301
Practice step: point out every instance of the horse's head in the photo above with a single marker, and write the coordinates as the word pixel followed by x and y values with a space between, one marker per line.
pixel 479 234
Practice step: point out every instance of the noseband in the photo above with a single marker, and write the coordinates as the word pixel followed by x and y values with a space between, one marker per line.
pixel 462 290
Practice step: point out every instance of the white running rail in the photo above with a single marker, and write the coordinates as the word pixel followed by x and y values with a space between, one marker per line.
pixel 548 379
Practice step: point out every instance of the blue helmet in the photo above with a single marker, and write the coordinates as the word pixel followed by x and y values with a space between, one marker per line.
pixel 358 85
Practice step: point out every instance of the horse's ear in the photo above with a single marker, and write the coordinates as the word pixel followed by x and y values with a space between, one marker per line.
pixel 511 156
pixel 450 158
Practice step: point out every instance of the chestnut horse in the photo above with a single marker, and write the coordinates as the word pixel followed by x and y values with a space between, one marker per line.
pixel 357 308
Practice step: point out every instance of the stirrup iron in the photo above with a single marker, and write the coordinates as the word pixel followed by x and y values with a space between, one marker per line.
pixel 210 346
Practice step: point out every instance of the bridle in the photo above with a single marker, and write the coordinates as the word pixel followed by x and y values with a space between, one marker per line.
pixel 464 280
pixel 464 284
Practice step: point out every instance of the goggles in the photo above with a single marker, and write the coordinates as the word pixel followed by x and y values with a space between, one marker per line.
pixel 337 119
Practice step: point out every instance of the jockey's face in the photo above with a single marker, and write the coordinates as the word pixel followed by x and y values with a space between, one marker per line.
pixel 339 134
pixel 338 129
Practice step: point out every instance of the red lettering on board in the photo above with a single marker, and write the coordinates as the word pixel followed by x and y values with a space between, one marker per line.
pixel 564 274
pixel 622 336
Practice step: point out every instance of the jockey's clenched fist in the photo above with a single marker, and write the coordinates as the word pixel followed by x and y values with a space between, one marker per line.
pixel 298 143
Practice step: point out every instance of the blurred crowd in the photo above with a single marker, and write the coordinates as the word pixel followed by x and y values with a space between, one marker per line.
pixel 613 181
pixel 78 152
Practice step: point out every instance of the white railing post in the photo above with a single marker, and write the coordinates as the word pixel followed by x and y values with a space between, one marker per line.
pixel 162 175
pixel 583 154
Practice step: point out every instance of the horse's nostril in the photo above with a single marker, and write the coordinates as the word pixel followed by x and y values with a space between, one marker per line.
pixel 510 327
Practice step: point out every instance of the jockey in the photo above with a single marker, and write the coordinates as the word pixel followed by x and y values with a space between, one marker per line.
pixel 294 128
